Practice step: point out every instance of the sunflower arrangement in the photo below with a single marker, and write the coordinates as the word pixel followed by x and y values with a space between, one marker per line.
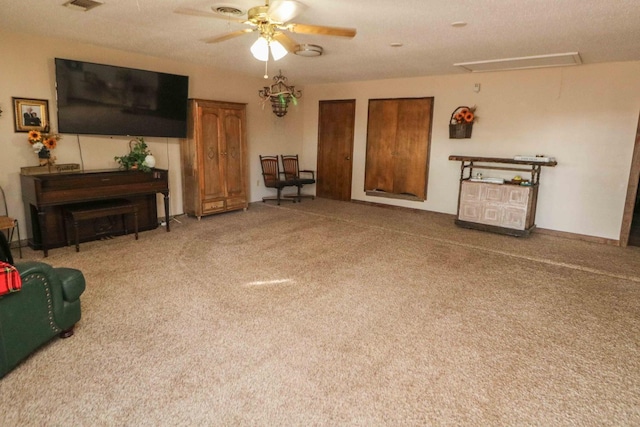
pixel 42 144
pixel 461 122
pixel 463 115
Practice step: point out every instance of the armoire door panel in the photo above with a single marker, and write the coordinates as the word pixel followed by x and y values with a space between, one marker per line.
pixel 212 173
pixel 233 154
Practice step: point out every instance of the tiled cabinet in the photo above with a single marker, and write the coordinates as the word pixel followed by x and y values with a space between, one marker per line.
pixel 509 206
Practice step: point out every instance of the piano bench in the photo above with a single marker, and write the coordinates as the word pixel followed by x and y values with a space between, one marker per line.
pixel 93 210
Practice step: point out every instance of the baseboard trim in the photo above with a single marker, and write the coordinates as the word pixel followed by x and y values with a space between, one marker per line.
pixel 575 236
pixel 544 231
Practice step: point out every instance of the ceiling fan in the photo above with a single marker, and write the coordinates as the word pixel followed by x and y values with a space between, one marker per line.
pixel 272 22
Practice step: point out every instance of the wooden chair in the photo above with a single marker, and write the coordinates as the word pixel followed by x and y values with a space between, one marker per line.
pixel 293 173
pixel 9 224
pixel 273 178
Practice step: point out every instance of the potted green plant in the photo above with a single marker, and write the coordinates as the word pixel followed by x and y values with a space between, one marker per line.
pixel 139 157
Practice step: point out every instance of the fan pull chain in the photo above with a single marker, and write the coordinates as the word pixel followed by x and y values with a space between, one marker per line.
pixel 266 69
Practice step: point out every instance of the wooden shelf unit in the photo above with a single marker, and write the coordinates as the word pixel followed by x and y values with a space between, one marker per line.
pixel 501 208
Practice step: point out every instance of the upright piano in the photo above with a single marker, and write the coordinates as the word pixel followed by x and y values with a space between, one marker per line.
pixel 45 196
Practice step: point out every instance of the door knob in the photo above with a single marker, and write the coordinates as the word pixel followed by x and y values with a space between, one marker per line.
pixel 348 158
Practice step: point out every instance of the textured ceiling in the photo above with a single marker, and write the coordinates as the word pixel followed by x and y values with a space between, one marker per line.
pixel 600 30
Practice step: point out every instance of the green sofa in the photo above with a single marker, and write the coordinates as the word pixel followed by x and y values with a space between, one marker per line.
pixel 47 305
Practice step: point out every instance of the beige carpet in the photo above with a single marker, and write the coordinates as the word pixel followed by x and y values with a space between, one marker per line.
pixel 327 313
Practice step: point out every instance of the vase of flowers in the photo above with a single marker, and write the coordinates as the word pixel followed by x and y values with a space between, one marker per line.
pixel 42 144
pixel 461 122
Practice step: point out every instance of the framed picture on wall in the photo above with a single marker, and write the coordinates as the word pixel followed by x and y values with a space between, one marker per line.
pixel 30 114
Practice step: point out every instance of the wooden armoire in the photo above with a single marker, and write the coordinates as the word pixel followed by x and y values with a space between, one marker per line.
pixel 214 158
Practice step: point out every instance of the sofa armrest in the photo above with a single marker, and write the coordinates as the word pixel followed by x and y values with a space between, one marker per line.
pixel 73 283
pixel 63 286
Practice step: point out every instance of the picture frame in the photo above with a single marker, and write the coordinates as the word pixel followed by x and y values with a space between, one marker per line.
pixel 30 114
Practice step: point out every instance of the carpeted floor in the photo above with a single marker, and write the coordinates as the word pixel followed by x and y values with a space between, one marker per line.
pixel 329 313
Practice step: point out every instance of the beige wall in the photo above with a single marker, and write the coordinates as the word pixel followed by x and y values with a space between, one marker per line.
pixel 584 116
pixel 27 71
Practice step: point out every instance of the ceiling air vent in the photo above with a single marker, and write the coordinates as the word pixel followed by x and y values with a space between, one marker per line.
pixel 82 5
pixel 227 10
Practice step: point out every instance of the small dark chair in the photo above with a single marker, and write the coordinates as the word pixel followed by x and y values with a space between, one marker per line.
pixel 273 178
pixel 293 173
pixel 10 224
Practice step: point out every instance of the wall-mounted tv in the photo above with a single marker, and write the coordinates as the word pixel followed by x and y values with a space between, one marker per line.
pixel 102 99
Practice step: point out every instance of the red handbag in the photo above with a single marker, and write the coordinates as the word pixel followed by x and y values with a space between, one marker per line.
pixel 10 280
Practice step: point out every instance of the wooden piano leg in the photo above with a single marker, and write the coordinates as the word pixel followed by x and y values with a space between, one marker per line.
pixel 166 209
pixel 42 220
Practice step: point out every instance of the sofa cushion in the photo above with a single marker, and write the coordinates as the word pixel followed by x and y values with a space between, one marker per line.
pixel 73 283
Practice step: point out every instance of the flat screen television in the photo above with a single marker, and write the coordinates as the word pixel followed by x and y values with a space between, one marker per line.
pixel 102 99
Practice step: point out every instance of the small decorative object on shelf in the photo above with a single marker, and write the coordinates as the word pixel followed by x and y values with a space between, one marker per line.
pixel 42 144
pixel 57 168
pixel 139 157
pixel 461 122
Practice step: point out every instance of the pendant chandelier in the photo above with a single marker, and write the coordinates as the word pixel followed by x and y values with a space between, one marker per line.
pixel 280 94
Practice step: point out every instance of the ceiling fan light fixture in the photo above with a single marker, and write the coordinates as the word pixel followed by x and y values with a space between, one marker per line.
pixel 277 50
pixel 284 11
pixel 260 49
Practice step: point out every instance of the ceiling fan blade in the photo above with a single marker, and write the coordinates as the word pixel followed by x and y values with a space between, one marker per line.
pixel 285 10
pixel 285 41
pixel 223 37
pixel 323 31
pixel 204 13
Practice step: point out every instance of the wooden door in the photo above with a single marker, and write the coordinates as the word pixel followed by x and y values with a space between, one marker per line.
pixel 412 147
pixel 233 155
pixel 630 231
pixel 398 137
pixel 336 121
pixel 381 145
